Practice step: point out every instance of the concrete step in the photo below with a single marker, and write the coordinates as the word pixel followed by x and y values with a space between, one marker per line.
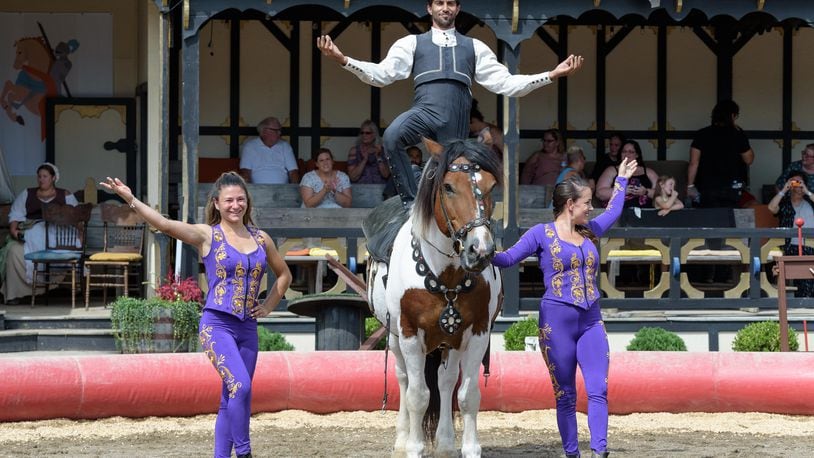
pixel 17 340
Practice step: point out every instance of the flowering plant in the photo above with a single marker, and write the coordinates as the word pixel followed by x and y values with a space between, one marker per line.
pixel 174 289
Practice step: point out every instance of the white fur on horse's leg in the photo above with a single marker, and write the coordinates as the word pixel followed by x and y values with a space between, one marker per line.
pixel 417 396
pixel 403 418
pixel 445 434
pixel 469 395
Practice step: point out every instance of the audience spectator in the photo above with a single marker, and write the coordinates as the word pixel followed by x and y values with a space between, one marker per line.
pixel 27 231
pixel 325 187
pixel 640 187
pixel 575 166
pixel 720 156
pixel 666 199
pixel 791 202
pixel 487 133
pixel 804 165
pixel 609 158
pixel 268 159
pixel 365 161
pixel 543 166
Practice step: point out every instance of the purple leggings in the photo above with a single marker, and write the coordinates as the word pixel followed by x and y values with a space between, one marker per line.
pixel 571 335
pixel 231 346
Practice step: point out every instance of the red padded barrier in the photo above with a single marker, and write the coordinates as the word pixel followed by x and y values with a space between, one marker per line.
pixel 332 381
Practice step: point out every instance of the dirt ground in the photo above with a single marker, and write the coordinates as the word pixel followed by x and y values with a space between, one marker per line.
pixel 371 434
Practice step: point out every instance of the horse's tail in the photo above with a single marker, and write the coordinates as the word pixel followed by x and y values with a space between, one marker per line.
pixel 430 423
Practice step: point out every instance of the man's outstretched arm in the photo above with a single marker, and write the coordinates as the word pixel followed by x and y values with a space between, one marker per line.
pixel 397 65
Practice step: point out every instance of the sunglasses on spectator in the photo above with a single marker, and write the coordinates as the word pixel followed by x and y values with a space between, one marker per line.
pixel 367 132
pixel 273 129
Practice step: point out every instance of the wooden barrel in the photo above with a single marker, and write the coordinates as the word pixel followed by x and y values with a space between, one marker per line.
pixel 340 319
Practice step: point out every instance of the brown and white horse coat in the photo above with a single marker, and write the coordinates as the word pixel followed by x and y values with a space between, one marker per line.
pixel 450 226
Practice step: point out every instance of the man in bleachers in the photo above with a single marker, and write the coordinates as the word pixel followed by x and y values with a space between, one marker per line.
pixel 268 159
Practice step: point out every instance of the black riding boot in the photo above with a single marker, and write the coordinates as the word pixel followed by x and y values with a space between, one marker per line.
pixel 401 170
pixel 572 455
pixel 248 455
pixel 599 454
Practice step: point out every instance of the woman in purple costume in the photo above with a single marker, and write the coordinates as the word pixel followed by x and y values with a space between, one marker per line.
pixel 236 254
pixel 571 328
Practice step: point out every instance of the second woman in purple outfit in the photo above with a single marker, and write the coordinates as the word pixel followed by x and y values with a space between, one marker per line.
pixel 571 328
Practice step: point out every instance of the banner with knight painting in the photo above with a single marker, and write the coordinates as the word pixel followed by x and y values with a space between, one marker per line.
pixel 46 55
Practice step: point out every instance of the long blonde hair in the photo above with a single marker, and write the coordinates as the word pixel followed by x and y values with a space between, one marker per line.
pixel 227 179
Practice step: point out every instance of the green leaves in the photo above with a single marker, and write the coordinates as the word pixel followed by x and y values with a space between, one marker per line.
pixel 272 341
pixel 762 336
pixel 514 339
pixel 144 325
pixel 656 339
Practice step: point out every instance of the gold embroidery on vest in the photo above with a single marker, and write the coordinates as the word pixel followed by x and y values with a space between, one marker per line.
pixel 556 262
pixel 576 280
pixel 220 271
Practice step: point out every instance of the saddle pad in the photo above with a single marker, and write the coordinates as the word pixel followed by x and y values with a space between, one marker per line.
pixel 381 227
pixel 53 255
pixel 126 257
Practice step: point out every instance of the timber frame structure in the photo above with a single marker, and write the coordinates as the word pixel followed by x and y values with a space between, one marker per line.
pixel 724 26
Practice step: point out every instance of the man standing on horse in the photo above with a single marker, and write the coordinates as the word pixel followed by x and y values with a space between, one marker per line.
pixel 444 64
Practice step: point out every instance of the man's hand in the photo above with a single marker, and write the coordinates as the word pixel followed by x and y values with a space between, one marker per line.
pixel 329 49
pixel 567 67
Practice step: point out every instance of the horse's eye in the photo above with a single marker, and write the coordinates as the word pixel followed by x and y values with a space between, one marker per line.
pixel 448 188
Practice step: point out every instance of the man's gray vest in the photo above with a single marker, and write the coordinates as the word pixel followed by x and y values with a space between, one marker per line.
pixel 433 62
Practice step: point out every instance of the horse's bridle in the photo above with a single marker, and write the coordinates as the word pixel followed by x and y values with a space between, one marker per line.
pixel 480 218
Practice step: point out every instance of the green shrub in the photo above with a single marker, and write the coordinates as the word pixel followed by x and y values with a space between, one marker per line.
pixel 272 341
pixel 514 339
pixel 762 336
pixel 656 339
pixel 135 321
pixel 371 325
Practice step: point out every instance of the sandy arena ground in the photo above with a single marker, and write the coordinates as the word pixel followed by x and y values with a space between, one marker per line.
pixel 370 434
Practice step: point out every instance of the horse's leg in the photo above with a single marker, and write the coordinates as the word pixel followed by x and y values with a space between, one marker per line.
pixel 11 97
pixel 469 394
pixel 417 396
pixel 447 378
pixel 403 418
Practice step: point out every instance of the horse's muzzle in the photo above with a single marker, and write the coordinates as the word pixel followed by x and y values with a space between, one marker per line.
pixel 478 253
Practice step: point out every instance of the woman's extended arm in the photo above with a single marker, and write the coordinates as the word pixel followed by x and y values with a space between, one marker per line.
pixel 603 222
pixel 192 234
pixel 525 247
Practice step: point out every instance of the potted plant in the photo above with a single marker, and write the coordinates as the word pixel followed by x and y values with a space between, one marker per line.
pixel 162 324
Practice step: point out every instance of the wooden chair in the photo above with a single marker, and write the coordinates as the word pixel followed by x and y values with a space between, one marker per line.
pixel 121 256
pixel 65 238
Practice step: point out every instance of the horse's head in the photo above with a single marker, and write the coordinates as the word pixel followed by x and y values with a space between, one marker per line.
pixel 32 51
pixel 456 194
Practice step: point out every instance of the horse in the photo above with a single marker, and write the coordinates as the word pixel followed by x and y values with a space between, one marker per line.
pixel 439 296
pixel 34 82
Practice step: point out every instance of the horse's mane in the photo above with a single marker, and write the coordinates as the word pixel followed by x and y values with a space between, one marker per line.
pixel 432 177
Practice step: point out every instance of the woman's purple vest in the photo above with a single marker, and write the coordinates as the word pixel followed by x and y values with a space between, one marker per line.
pixel 234 277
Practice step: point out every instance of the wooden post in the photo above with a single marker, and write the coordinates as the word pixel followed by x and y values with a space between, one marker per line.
pixel 791 268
